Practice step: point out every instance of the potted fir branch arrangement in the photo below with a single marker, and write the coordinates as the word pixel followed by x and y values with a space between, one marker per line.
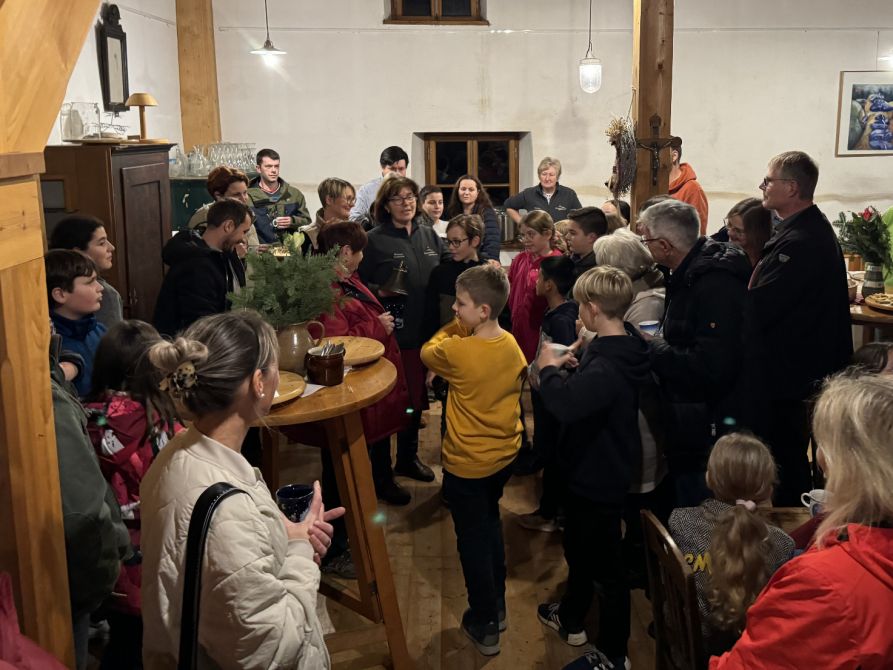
pixel 866 234
pixel 290 291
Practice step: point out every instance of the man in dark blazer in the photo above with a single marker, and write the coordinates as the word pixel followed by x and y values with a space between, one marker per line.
pixel 799 318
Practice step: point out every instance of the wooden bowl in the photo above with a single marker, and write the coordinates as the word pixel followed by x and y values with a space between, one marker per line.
pixel 357 350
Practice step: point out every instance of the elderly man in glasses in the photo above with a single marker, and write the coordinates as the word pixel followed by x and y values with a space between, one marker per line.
pixel 697 357
pixel 800 314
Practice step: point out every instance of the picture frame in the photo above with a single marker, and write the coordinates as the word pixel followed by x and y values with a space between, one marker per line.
pixel 111 43
pixel 865 114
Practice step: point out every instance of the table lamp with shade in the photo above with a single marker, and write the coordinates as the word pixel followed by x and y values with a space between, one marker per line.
pixel 143 100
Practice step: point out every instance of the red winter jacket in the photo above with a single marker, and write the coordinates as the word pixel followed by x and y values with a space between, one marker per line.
pixel 687 189
pixel 358 315
pixel 119 433
pixel 828 608
pixel 526 306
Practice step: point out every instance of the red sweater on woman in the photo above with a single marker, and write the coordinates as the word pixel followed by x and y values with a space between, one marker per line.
pixel 526 306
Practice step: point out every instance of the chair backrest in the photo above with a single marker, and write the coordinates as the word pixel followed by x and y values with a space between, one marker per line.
pixel 677 622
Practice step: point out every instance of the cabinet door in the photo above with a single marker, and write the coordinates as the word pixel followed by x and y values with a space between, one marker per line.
pixel 146 200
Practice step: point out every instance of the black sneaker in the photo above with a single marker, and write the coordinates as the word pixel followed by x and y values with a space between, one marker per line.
pixel 484 636
pixel 341 566
pixel 415 469
pixel 392 493
pixel 547 613
pixel 596 660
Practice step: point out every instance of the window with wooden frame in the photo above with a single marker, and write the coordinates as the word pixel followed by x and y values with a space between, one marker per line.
pixel 492 157
pixel 463 12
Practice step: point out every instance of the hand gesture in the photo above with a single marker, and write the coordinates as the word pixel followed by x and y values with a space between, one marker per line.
pixel 282 221
pixel 315 527
pixel 387 322
pixel 429 379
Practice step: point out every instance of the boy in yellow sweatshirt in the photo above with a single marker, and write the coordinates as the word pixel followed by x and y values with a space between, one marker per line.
pixel 485 369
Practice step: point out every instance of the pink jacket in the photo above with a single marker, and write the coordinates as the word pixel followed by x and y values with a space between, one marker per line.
pixel 526 307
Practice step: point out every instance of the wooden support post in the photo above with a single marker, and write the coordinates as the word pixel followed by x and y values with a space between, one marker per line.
pixel 653 86
pixel 199 99
pixel 36 65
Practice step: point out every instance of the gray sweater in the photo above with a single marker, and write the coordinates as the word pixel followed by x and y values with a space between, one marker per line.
pixel 111 310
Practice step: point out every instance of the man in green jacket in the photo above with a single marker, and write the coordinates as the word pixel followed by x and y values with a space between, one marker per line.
pixel 278 207
pixel 96 539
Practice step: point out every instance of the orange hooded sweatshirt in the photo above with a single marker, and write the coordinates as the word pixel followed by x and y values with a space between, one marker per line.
pixel 687 189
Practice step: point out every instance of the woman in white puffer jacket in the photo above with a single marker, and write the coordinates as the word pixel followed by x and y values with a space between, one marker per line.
pixel 260 571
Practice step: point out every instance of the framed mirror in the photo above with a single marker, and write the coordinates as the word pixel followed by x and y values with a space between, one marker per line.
pixel 111 42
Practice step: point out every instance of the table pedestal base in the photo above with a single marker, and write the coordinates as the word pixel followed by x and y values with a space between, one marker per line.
pixel 377 599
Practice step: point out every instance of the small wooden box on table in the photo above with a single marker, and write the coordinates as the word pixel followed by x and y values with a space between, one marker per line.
pixel 337 408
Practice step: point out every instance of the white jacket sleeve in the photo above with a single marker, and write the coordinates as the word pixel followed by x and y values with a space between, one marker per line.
pixel 260 588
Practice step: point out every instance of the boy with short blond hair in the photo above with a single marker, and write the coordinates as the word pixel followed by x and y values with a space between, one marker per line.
pixel 597 405
pixel 485 369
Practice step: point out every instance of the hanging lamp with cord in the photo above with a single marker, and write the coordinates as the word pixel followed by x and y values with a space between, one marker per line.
pixel 267 49
pixel 590 67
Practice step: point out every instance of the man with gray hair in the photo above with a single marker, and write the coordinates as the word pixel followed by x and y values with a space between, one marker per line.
pixel 799 330
pixel 697 354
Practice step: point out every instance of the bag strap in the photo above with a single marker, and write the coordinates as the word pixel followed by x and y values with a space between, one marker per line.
pixel 199 523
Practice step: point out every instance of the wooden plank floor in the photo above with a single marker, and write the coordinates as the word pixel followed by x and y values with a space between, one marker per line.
pixel 431 590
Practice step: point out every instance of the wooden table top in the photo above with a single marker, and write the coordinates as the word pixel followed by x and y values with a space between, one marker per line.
pixel 361 387
pixel 865 314
pixel 788 518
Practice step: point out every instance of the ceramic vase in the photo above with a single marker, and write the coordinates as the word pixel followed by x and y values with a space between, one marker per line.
pixel 294 342
pixel 874 280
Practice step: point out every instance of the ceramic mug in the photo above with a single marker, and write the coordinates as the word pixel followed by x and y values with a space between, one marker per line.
pixel 815 500
pixel 294 501
pixel 324 370
pixel 650 327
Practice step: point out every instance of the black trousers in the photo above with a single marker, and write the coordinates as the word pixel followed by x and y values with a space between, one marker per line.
pixel 592 549
pixel 786 429
pixel 545 436
pixel 125 648
pixel 474 506
pixel 408 439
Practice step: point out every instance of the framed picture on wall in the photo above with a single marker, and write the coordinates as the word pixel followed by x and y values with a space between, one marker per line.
pixel 111 42
pixel 865 114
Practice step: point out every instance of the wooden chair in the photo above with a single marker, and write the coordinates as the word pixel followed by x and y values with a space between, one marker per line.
pixel 677 622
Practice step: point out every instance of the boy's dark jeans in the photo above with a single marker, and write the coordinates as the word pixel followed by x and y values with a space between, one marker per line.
pixel 474 505
pixel 408 439
pixel 592 549
pixel 545 434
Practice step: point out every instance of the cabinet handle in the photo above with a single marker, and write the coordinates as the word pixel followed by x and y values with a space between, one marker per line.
pixel 133 297
pixel 186 200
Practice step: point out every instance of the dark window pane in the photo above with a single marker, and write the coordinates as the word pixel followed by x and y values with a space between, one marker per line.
pixel 493 161
pixel 447 194
pixel 452 161
pixel 417 8
pixel 456 7
pixel 498 194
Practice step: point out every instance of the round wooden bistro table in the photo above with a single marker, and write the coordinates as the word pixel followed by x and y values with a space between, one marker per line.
pixel 870 319
pixel 337 408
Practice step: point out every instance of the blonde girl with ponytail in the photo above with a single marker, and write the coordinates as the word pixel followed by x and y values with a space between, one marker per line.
pixel 731 549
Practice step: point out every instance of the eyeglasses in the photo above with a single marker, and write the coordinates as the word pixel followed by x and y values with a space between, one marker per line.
pixel 646 240
pixel 768 180
pixel 402 198
pixel 349 200
pixel 456 243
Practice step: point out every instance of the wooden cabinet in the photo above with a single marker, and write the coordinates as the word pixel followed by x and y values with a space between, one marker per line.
pixel 127 187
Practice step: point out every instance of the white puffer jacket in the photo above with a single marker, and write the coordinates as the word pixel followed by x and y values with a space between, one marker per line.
pixel 258 591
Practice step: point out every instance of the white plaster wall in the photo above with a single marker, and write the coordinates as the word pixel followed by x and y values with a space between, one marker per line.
pixel 151 31
pixel 750 79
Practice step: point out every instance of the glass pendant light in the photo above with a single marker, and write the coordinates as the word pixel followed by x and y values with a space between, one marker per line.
pixel 267 49
pixel 590 67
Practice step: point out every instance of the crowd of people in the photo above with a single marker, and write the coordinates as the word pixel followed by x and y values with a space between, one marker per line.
pixel 702 378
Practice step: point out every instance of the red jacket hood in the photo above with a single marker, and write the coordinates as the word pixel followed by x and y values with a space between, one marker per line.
pixel 687 175
pixel 870 547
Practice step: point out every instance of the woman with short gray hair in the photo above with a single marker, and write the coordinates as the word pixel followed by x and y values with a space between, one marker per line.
pixel 549 196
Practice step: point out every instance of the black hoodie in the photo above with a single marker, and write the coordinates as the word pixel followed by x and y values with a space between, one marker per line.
pixel 196 284
pixel 598 408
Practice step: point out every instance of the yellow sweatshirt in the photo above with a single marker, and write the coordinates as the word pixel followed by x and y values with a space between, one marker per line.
pixel 483 431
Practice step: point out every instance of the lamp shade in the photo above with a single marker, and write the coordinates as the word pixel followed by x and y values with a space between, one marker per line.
pixel 590 74
pixel 141 100
pixel 268 50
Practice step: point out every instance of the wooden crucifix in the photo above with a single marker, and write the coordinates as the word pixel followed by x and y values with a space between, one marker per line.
pixel 652 90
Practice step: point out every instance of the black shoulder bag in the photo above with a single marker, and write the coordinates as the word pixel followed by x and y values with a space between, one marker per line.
pixel 199 523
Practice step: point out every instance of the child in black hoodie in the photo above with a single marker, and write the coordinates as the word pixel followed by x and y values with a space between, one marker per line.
pixel 554 283
pixel 597 405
